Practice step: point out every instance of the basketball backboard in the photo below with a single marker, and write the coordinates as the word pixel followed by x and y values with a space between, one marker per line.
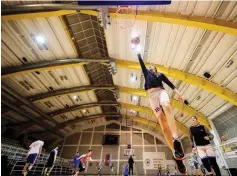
pixel 123 2
pixel 128 152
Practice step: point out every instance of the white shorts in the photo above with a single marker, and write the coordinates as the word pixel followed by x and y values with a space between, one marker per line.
pixel 205 151
pixel 157 98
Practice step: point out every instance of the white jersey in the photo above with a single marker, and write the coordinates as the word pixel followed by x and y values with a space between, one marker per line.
pixel 35 147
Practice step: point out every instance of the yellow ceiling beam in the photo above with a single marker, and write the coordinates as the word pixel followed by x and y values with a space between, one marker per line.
pixel 180 126
pixel 209 86
pixel 37 15
pixel 174 103
pixel 214 88
pixel 44 69
pixel 186 20
pixel 142 93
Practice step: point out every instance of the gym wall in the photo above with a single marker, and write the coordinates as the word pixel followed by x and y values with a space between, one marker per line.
pixel 92 138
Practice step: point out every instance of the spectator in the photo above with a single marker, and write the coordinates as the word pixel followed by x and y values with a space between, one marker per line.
pixel 130 162
pixel 76 163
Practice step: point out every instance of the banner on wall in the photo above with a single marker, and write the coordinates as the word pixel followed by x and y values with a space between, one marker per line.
pixel 230 150
pixel 153 160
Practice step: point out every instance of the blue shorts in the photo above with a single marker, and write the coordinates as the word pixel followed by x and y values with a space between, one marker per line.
pixel 31 158
pixel 76 165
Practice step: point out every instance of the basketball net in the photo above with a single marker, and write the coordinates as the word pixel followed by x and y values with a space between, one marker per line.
pixel 126 16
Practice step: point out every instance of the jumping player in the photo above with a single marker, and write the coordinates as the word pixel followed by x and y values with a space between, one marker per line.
pixel 51 160
pixel 200 137
pixel 33 153
pixel 159 100
pixel 76 162
pixel 83 159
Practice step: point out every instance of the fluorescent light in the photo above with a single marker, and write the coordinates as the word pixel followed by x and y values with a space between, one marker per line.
pixel 40 39
pixel 133 77
pixel 134 98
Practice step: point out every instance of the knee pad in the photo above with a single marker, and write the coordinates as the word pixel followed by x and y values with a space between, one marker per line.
pixel 206 164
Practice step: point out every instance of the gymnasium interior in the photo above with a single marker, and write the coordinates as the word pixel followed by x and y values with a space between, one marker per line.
pixel 70 77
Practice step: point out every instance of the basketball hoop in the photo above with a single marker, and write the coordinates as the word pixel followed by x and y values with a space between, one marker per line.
pixel 122 15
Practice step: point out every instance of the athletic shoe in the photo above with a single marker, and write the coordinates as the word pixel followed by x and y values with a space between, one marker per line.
pixel 178 150
pixel 181 167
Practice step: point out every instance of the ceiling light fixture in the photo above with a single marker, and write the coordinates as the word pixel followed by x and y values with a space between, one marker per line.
pixel 133 77
pixel 75 96
pixel 134 98
pixel 229 63
pixel 40 39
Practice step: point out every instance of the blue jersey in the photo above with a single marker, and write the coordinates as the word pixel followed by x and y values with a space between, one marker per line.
pixel 126 171
pixel 76 159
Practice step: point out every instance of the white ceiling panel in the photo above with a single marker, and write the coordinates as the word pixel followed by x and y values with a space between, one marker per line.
pixel 219 55
pixel 119 40
pixel 215 102
pixel 199 8
pixel 41 82
pixel 127 78
pixel 128 98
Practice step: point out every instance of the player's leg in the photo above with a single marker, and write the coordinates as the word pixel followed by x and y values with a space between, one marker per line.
pixel 155 105
pixel 165 103
pixel 24 171
pixel 154 99
pixel 212 160
pixel 50 169
pixel 45 170
pixel 203 155
pixel 29 163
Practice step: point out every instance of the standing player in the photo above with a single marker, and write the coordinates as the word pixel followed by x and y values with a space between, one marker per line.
pixel 159 170
pixel 32 154
pixel 51 160
pixel 130 163
pixel 159 100
pixel 200 137
pixel 76 162
pixel 99 168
